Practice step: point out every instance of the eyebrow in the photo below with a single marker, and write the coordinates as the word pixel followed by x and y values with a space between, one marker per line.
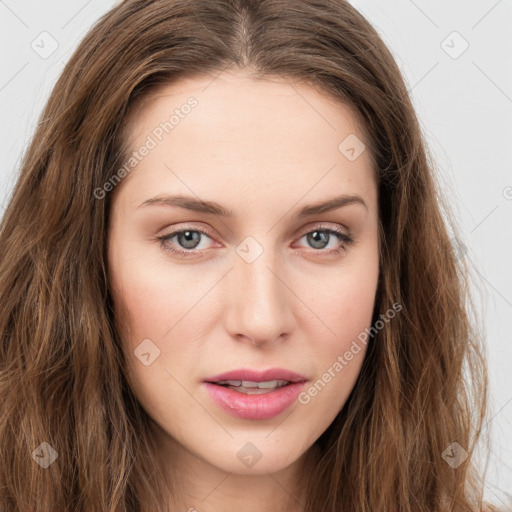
pixel 213 208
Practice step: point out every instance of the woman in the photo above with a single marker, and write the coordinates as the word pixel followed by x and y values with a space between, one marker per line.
pixel 225 200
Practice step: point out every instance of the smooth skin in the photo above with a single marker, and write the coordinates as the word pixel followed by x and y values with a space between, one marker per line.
pixel 263 149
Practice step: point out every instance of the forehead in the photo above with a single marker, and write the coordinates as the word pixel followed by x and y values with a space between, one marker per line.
pixel 237 99
pixel 247 133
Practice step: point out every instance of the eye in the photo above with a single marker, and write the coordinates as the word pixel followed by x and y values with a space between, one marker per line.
pixel 321 236
pixel 187 238
pixel 190 240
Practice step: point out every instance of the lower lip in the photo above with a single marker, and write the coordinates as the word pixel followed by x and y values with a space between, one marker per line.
pixel 254 407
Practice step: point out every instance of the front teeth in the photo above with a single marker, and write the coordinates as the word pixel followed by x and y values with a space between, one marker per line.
pixel 249 384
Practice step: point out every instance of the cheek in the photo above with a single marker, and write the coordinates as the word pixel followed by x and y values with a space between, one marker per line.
pixel 146 309
pixel 343 302
pixel 153 307
pixel 346 309
pixel 148 300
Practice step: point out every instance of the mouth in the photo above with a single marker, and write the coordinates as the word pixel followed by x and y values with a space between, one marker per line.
pixel 247 378
pixel 234 392
pixel 251 387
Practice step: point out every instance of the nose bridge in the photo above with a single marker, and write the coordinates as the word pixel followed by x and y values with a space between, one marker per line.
pixel 260 301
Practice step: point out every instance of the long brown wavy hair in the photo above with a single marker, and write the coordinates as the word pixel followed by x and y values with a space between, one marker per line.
pixel 423 384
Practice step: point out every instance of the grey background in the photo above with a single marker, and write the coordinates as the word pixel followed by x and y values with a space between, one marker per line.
pixel 463 100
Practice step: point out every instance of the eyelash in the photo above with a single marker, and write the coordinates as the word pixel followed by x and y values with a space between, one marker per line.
pixel 346 240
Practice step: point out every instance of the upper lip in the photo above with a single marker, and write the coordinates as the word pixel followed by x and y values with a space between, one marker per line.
pixel 248 374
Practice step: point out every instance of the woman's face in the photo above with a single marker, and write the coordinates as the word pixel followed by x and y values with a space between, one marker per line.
pixel 266 287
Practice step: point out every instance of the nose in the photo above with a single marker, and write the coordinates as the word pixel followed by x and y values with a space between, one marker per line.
pixel 260 304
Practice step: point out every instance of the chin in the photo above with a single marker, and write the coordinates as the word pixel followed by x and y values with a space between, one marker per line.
pixel 255 456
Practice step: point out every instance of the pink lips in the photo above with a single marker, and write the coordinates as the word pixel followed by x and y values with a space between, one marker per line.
pixel 258 406
pixel 255 376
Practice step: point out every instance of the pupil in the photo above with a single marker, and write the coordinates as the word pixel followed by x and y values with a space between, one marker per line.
pixel 315 236
pixel 189 237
